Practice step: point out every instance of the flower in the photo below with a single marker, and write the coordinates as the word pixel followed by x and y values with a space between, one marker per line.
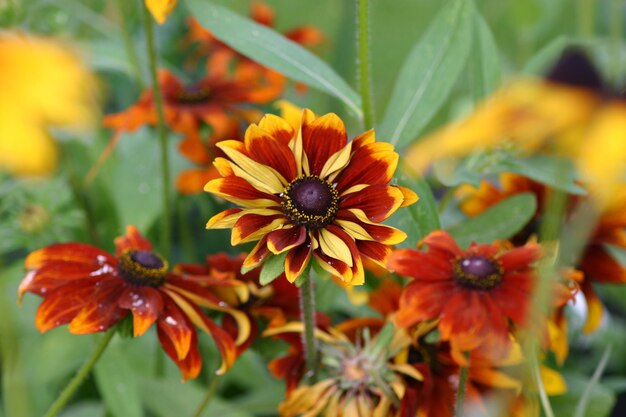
pixel 309 193
pixel 570 112
pixel 474 293
pixel 217 100
pixel 93 290
pixel 43 84
pixel 360 377
pixel 160 9
pixel 598 263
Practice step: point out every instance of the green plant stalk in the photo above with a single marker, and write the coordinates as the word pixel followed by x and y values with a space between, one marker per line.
pixel 210 392
pixel 307 312
pixel 364 76
pixel 616 30
pixel 80 376
pixel 162 129
pixel 460 394
pixel 543 395
pixel 129 45
pixel 585 17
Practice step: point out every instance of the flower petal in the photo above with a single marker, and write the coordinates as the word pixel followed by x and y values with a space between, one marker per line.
pixel 62 305
pixel 68 252
pixel 102 311
pixel 264 148
pixel 296 260
pixel 132 240
pixel 253 226
pixel 284 239
pixel 374 163
pixel 191 363
pixel 239 191
pixel 146 305
pixel 321 138
pixel 377 201
pixel 174 326
pixel 278 128
pixel 257 254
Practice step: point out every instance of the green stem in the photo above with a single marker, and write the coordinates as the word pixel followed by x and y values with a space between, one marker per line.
pixel 365 81
pixel 460 394
pixel 80 376
pixel 543 396
pixel 616 30
pixel 210 392
pixel 127 37
pixel 307 311
pixel 162 129
pixel 585 17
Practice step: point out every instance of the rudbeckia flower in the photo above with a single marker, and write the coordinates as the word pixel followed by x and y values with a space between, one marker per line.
pixel 475 293
pixel 93 290
pixel 310 193
pixel 597 263
pixel 218 100
pixel 570 112
pixel 360 378
pixel 43 85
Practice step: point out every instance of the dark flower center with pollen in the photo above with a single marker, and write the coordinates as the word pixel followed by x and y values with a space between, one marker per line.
pixel 139 267
pixel 193 95
pixel 478 272
pixel 310 201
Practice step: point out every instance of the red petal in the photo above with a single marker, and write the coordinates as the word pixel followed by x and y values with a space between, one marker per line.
pixel 237 188
pixel 375 251
pixel 102 311
pixel 249 224
pixel 520 258
pixel 269 151
pixel 440 242
pixel 322 138
pixel 191 364
pixel 377 201
pixel 192 181
pixel 423 301
pixel 68 252
pixel 146 304
pixel 296 260
pixel 132 240
pixel 283 239
pixel 62 305
pixel 420 265
pixel 257 254
pixel 512 302
pixel 174 327
pixel 374 163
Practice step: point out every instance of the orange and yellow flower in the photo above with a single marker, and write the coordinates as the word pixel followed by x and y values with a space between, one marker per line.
pixel 474 293
pixel 309 193
pixel 93 290
pixel 570 112
pixel 43 85
pixel 160 9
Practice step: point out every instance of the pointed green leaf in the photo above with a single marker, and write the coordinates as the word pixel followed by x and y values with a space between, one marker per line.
pixel 273 50
pixel 485 63
pixel 272 268
pixel 428 74
pixel 501 221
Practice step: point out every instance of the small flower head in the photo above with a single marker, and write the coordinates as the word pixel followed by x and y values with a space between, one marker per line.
pixel 311 193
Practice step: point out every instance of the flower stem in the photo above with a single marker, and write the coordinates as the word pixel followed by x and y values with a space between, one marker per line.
pixel 365 81
pixel 543 396
pixel 210 392
pixel 307 312
pixel 460 394
pixel 80 376
pixel 585 17
pixel 158 104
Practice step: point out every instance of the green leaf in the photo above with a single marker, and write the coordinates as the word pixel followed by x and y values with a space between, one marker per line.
pixel 273 50
pixel 429 73
pixel 601 399
pixel 82 409
pixel 117 383
pixel 501 221
pixel 554 171
pixel 272 268
pixel 543 60
pixel 419 219
pixel 485 62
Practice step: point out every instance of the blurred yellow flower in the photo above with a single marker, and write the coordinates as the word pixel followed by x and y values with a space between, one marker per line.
pixel 42 85
pixel 160 9
pixel 570 112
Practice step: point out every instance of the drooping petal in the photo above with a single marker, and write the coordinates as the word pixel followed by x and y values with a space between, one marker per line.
pixel 102 311
pixel 62 305
pixel 284 239
pixel 377 252
pixel 296 260
pixel 192 181
pixel 146 305
pixel 174 326
pixel 191 363
pixel 225 219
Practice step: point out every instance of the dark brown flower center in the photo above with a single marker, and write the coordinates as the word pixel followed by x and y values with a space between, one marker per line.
pixel 310 201
pixel 193 95
pixel 478 272
pixel 145 268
